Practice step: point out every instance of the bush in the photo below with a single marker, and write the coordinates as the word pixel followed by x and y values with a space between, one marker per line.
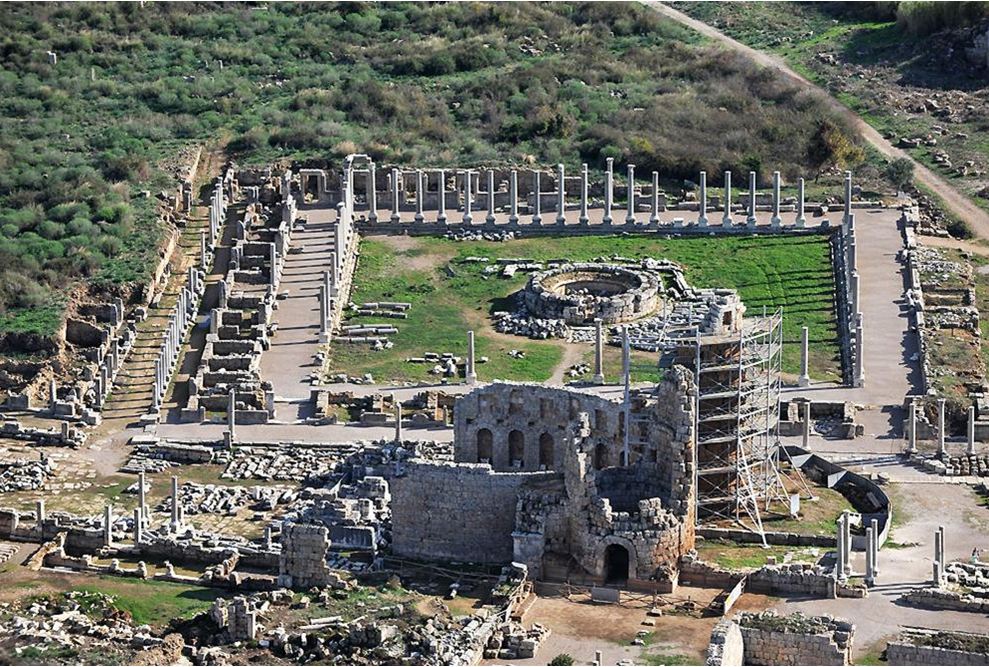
pixel 562 659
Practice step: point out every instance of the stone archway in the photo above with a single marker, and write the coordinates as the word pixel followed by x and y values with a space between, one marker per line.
pixel 516 449
pixel 485 446
pixel 616 557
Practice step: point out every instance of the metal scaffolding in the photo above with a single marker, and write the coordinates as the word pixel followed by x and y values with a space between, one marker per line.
pixel 736 464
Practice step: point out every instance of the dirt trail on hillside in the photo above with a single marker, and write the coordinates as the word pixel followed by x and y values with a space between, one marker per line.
pixel 955 201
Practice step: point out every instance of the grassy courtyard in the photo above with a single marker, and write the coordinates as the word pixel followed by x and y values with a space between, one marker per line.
pixel 449 296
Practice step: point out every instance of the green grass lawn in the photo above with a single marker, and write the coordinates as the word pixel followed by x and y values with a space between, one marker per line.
pixel 154 602
pixel 448 297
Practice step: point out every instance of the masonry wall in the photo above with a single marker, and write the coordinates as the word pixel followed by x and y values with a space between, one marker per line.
pixel 901 653
pixel 444 511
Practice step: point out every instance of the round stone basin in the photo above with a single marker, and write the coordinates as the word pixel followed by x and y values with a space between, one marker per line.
pixel 582 293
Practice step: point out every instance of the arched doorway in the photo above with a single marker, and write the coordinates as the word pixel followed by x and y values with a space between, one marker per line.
pixel 484 445
pixel 616 562
pixel 546 451
pixel 516 449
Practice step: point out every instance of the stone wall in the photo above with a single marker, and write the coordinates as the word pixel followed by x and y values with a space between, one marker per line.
pixel 769 639
pixel 726 647
pixel 460 512
pixel 938 647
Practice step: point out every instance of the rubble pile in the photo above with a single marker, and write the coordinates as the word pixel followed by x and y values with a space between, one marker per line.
pixel 24 474
pixel 288 463
pixel 213 499
pixel 477 235
pixel 513 642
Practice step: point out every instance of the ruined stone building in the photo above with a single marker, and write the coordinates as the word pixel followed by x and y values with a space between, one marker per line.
pixel 547 477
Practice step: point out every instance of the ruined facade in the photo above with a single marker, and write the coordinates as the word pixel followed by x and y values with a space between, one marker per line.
pixel 548 477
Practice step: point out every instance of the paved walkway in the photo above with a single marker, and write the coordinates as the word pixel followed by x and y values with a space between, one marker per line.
pixel 291 359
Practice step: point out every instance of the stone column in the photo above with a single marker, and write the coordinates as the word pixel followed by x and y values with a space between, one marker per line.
pixel 536 217
pixel 848 197
pixel 630 215
pixel 202 250
pixel 398 419
pixel 372 194
pixel 801 220
pixel 874 524
pixel 468 219
pixel 859 353
pixel 804 357
pixel 490 219
pixel 870 568
pixel 232 418
pixel 324 316
pixel 726 216
pixel 702 202
pixel 942 450
pixel 561 195
pixel 52 394
pixel 751 220
pixel 853 285
pixel 584 220
pixel 847 541
pixel 776 219
pixel 441 197
pixel 267 537
pixel 912 434
pixel 273 259
pixel 138 528
pixel 175 504
pixel 471 373
pixel 156 388
pixel 609 192
pixel 971 431
pixel 938 563
pixel 395 197
pixel 40 511
pixel 108 526
pixel 142 500
pixel 654 216
pixel 419 194
pixel 840 548
pixel 598 351
pixel 805 409
pixel 513 197
pixel 941 544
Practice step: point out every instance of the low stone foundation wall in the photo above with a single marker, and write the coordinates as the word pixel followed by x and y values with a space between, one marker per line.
pixel 938 647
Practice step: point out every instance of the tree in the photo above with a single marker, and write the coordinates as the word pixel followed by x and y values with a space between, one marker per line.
pixel 899 172
pixel 830 146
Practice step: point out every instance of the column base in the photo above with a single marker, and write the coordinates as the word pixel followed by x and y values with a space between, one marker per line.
pixel 727 221
pixel 471 379
pixel 598 379
pixel 804 381
pixel 228 439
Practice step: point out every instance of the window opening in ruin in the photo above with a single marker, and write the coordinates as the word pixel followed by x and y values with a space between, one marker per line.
pixel 515 402
pixel 545 451
pixel 516 449
pixel 599 420
pixel 600 456
pixel 615 564
pixel 484 445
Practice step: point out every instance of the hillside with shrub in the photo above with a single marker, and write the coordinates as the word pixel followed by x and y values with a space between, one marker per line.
pixel 83 141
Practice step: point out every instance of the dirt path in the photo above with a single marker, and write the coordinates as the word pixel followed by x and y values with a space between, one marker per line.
pixel 955 201
pixel 573 353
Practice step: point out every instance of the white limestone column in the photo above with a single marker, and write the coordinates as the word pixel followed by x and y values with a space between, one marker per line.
pixel 598 351
pixel 971 431
pixel 840 548
pixel 848 197
pixel 232 416
pixel 801 220
pixel 441 197
pixel 323 315
pixel 630 214
pixel 776 220
pixel 561 195
pixel 513 197
pixel 40 511
pixel 804 357
pixel 175 503
pixel 941 446
pixel 138 537
pixel 912 434
pixel 654 216
pixel 372 194
pixel 419 197
pixel 609 189
pixel 702 202
pixel 751 220
pixel 471 373
pixel 874 524
pixel 468 219
pixel 938 579
pixel 941 546
pixel 859 352
pixel 52 394
pixel 726 216
pixel 848 542
pixel 142 497
pixel 870 572
pixel 536 217
pixel 490 219
pixel 395 197
pixel 202 250
pixel 854 294
pixel 584 219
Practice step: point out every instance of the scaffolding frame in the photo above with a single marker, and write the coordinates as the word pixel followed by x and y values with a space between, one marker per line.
pixel 736 449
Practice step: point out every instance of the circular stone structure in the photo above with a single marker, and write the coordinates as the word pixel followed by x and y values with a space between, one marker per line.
pixel 581 293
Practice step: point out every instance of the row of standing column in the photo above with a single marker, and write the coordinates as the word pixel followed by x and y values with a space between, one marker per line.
pixel 467 177
pixel 853 308
pixel 843 565
pixel 343 245
pixel 942 431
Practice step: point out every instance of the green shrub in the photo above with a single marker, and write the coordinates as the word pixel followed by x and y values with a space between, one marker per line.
pixel 561 659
